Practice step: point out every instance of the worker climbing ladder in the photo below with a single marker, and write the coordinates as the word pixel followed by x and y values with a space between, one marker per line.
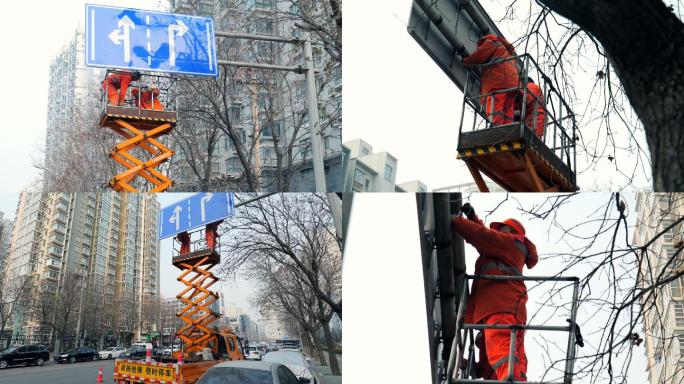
pixel 446 287
pixel 140 120
pixel 461 370
pixel 196 253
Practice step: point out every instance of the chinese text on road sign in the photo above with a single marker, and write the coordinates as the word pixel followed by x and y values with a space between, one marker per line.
pixel 149 41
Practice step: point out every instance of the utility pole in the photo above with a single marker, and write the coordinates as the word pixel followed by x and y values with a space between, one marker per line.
pixel 314 121
pixel 309 71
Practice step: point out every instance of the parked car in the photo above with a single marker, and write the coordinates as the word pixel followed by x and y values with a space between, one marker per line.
pixel 24 354
pixel 137 351
pixel 253 354
pixel 168 351
pixel 253 372
pixel 112 352
pixel 294 360
pixel 77 354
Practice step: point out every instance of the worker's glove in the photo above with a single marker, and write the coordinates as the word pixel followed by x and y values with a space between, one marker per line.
pixel 469 211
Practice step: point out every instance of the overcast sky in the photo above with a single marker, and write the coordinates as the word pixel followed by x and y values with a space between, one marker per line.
pixel 398 100
pixel 383 282
pixel 31 37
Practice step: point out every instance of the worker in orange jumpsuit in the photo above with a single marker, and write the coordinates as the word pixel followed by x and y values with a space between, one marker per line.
pixel 482 367
pixel 147 98
pixel 504 250
pixel 116 85
pixel 535 110
pixel 496 77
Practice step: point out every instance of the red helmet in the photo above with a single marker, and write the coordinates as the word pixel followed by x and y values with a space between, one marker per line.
pixel 513 223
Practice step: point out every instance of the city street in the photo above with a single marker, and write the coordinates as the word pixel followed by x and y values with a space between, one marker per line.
pixel 52 373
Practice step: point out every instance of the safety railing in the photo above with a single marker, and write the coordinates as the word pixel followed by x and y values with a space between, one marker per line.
pixel 464 339
pixel 198 242
pixel 150 92
pixel 559 122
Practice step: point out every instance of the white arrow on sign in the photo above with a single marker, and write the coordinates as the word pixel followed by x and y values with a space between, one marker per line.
pixel 177 29
pixel 175 219
pixel 205 199
pixel 125 24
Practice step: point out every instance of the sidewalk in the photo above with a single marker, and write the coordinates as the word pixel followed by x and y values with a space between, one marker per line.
pixel 323 373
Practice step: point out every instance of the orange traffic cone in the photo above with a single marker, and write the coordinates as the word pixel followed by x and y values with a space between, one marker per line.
pixel 99 375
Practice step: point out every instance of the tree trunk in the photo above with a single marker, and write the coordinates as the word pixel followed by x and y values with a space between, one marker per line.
pixel 58 345
pixel 332 355
pixel 317 348
pixel 643 40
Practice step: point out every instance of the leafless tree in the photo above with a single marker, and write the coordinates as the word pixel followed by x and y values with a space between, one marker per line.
pixel 13 295
pixel 290 236
pixel 282 292
pixel 58 310
pixel 79 160
pixel 627 54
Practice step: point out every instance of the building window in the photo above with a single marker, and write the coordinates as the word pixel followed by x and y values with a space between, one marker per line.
pixel 676 288
pixel 681 347
pixel 365 151
pixel 306 148
pixel 360 182
pixel 679 314
pixel 235 111
pixel 388 172
pixel 667 236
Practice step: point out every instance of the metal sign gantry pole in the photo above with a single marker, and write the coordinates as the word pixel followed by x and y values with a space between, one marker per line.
pixel 309 71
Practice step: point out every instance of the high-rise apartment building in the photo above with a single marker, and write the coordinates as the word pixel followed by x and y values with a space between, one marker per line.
pixel 6 226
pixel 73 91
pixel 104 243
pixel 664 310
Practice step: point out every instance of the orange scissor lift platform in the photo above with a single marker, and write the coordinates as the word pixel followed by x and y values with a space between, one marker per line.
pixel 140 152
pixel 512 155
pixel 515 159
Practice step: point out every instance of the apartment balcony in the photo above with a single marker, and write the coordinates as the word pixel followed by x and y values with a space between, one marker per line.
pixel 53 263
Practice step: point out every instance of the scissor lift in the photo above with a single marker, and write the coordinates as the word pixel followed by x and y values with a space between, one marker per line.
pixel 140 152
pixel 512 155
pixel 195 254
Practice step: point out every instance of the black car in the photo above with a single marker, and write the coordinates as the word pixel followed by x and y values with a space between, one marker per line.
pixel 135 352
pixel 24 354
pixel 77 354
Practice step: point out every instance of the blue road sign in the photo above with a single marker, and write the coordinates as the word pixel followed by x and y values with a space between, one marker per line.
pixel 197 210
pixel 149 41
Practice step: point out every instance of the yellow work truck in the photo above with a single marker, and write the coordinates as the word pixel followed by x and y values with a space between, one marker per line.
pixel 169 371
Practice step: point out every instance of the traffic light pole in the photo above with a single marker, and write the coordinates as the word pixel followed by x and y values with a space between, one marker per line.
pixel 309 71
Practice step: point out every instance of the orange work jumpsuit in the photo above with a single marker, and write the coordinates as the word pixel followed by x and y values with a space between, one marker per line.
pixel 147 98
pixel 495 77
pixel 116 86
pixel 498 302
pixel 535 111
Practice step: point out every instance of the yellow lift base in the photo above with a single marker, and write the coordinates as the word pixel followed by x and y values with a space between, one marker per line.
pixel 140 129
pixel 197 315
pixel 517 161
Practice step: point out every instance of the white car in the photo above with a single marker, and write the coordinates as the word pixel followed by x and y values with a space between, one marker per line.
pixel 294 360
pixel 253 354
pixel 111 352
pixel 168 351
